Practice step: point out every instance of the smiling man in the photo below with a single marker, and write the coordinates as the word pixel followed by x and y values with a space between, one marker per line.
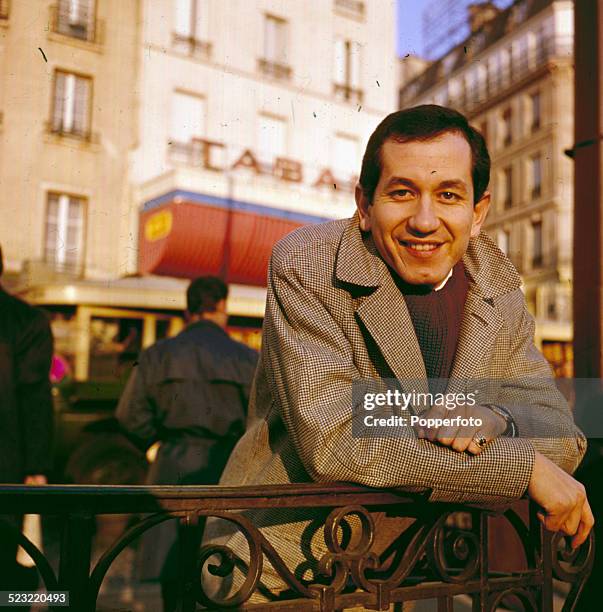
pixel 409 289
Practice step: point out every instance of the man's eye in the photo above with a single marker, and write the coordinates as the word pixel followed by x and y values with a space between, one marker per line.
pixel 402 193
pixel 450 196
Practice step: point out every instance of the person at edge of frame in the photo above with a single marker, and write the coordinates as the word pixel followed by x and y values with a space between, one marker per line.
pixel 26 419
pixel 410 287
pixel 190 394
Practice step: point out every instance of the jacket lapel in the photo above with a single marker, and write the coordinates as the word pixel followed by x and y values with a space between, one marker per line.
pixel 491 275
pixel 386 317
pixel 479 328
pixel 383 312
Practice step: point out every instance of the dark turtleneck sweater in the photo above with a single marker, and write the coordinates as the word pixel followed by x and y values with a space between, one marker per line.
pixel 436 316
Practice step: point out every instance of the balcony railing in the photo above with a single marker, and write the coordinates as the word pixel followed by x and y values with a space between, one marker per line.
pixel 352 8
pixel 191 45
pixel 4 9
pixel 437 557
pixel 497 82
pixel 35 272
pixel 536 191
pixel 347 93
pixel 88 29
pixel 59 129
pixel 274 69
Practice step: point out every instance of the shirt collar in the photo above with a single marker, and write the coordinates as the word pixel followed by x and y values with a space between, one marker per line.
pixel 441 285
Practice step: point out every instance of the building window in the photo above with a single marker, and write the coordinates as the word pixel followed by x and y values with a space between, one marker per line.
pixel 490 79
pixel 536 244
pixel 504 241
pixel 535 111
pixel 274 63
pixel 551 307
pixel 187 122
pixel 76 18
pixel 507 131
pixel 463 93
pixel 191 27
pixel 64 245
pixel 536 164
pixel 521 12
pixel 272 138
pixel 508 66
pixel 539 47
pixel 345 156
pixel 71 105
pixel 483 128
pixel 4 9
pixel 508 187
pixel 347 71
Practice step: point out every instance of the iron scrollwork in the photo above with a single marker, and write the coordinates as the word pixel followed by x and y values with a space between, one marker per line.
pixel 427 559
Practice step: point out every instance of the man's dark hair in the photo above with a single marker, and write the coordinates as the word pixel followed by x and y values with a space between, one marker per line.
pixel 1 262
pixel 204 293
pixel 424 123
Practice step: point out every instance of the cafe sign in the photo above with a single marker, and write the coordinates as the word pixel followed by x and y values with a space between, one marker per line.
pixel 282 168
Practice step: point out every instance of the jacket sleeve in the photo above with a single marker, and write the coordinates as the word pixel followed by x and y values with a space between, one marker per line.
pixel 529 394
pixel 310 367
pixel 136 410
pixel 33 356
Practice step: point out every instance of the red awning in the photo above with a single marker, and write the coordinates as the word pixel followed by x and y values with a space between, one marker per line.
pixel 186 239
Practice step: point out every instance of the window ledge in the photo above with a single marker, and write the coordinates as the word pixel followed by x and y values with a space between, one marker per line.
pixel 275 70
pixel 347 93
pixel 86 45
pixel 191 47
pixel 353 9
pixel 91 142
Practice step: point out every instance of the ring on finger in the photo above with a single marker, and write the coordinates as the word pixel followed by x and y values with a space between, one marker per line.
pixel 480 440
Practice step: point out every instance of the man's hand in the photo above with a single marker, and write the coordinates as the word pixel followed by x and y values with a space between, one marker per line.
pixel 36 479
pixel 463 438
pixel 563 500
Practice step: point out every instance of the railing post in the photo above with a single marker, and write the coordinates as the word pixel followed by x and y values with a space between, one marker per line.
pixel 480 599
pixel 190 530
pixel 74 568
pixel 545 539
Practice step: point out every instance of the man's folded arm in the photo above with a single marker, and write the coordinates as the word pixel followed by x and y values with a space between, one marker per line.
pixel 310 366
pixel 530 396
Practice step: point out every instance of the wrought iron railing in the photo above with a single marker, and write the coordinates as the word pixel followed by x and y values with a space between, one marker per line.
pixel 434 558
pixel 58 128
pixel 191 45
pixel 343 91
pixel 36 272
pixel 355 8
pixel 497 82
pixel 274 69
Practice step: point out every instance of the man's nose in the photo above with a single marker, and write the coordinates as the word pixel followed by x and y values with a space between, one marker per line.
pixel 424 219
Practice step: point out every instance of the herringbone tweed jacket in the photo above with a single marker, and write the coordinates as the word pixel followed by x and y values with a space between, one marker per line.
pixel 334 315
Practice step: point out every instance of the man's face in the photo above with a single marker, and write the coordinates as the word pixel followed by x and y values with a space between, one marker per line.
pixel 422 214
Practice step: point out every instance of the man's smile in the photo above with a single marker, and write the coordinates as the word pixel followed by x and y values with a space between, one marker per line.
pixel 421 249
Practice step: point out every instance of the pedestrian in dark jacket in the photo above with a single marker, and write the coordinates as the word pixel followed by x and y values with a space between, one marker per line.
pixel 25 413
pixel 189 393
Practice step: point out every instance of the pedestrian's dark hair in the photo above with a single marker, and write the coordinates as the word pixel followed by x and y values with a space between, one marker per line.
pixel 424 123
pixel 204 293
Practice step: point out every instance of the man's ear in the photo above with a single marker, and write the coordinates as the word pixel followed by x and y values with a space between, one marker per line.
pixel 480 212
pixel 363 206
